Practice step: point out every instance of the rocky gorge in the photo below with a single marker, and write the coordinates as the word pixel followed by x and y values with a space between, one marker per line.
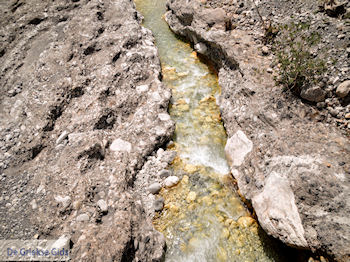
pixel 85 126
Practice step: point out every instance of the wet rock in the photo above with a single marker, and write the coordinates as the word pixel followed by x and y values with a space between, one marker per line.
pixel 171 181
pixel 154 188
pixel 158 204
pixel 313 94
pixel 191 197
pixel 245 221
pixel 343 89
pixel 164 173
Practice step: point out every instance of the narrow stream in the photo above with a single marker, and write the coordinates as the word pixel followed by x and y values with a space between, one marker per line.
pixel 203 217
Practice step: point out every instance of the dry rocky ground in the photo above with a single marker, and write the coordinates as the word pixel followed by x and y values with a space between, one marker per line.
pixel 291 157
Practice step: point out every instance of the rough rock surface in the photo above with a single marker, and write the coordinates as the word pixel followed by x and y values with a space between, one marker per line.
pixel 82 107
pixel 294 168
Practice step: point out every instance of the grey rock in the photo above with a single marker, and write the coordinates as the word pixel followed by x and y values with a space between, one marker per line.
pixel 313 94
pixel 343 89
pixel 154 188
pixel 158 204
pixel 164 173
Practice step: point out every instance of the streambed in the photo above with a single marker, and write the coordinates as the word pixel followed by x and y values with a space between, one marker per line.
pixel 203 218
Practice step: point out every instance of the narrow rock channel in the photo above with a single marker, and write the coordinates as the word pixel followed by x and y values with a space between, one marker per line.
pixel 203 217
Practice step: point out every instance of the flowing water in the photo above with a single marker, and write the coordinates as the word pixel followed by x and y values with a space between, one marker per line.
pixel 203 217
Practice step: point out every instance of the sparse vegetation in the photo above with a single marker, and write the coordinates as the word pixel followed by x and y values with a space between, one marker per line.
pixel 299 67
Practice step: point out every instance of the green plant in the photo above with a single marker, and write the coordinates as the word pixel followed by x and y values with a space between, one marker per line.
pixel 299 68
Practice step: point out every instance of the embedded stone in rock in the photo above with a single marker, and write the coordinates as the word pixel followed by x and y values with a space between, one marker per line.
pixel 62 137
pixel 142 88
pixel 313 94
pixel 120 145
pixel 237 147
pixel 164 117
pixel 155 188
pixel 83 218
pixel 215 16
pixel 277 212
pixel 343 89
pixel 171 181
pixel 65 201
pixel 102 205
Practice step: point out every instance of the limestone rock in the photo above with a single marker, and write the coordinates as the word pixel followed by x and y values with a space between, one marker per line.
pixel 277 212
pixel 237 147
pixel 343 89
pixel 120 145
pixel 171 181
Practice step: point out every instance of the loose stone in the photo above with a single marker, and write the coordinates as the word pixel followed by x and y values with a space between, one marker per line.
pixel 155 188
pixel 171 181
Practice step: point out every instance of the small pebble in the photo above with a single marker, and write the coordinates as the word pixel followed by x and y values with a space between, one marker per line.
pixel 171 181
pixel 155 188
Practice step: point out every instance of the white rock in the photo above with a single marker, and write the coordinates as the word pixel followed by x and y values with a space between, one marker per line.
pixel 102 205
pixel 155 188
pixel 343 89
pixel 277 212
pixel 171 181
pixel 83 218
pixel 65 201
pixel 62 242
pixel 164 117
pixel 62 137
pixel 119 145
pixel 142 88
pixel 237 147
pixel 200 48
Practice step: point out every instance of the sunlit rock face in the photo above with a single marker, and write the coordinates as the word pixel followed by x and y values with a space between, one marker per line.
pixel 82 108
pixel 308 159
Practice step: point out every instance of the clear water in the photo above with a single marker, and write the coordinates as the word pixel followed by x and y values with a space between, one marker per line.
pixel 203 218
